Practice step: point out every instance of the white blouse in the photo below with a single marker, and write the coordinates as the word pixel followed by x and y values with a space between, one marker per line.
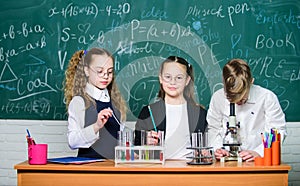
pixel 177 137
pixel 78 136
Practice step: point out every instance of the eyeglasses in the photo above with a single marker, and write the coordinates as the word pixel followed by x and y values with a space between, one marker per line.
pixel 178 79
pixel 101 73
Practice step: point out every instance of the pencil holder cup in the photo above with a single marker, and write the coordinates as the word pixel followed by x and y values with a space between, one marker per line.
pixel 259 161
pixel 276 153
pixel 37 154
pixel 267 156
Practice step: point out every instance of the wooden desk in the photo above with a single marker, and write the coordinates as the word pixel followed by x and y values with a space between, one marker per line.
pixel 172 173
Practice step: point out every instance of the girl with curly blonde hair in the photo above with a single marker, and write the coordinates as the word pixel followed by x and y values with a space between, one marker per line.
pixel 95 105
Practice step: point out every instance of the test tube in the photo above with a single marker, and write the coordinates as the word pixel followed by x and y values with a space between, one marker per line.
pixel 131 145
pixel 200 142
pixel 161 144
pixel 143 140
pixel 194 143
pixel 120 138
pixel 200 139
pixel 148 137
pixel 161 136
pixel 143 137
pixel 194 140
pixel 205 139
pixel 127 144
pixel 120 143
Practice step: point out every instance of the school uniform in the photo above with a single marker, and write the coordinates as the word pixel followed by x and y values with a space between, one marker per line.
pixel 81 134
pixel 190 118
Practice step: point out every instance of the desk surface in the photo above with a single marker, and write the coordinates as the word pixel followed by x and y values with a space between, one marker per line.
pixel 170 166
pixel 171 173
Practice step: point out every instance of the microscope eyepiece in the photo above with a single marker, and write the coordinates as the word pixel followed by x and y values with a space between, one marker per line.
pixel 232 109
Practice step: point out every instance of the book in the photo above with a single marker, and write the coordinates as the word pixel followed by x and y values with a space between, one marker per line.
pixel 74 160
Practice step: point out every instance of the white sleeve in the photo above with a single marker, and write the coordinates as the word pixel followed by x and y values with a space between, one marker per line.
pixel 260 149
pixel 214 120
pixel 275 118
pixel 78 135
pixel 274 115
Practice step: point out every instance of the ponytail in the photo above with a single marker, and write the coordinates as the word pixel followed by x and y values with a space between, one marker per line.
pixel 70 75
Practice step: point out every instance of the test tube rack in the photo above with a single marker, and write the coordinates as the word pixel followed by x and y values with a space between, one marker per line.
pixel 201 156
pixel 140 154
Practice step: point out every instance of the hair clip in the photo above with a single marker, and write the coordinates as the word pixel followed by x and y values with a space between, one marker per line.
pixel 189 65
pixel 85 52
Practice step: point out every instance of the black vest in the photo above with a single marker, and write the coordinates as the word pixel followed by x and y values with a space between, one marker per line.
pixel 104 147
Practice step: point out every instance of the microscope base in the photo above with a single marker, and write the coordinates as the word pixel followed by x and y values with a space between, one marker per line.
pixel 228 158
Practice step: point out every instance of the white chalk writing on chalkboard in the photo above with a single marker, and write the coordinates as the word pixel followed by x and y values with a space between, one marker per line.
pixel 37 43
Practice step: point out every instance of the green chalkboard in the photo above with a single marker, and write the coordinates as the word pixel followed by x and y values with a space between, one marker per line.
pixel 38 37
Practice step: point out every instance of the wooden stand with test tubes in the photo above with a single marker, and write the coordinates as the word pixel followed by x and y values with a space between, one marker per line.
pixel 126 152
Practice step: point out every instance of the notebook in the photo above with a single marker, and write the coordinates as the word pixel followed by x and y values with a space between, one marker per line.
pixel 74 160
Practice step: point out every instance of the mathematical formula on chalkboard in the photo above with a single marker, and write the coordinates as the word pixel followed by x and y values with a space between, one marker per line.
pixel 38 38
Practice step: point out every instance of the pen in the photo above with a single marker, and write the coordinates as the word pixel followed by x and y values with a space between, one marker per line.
pixel 30 140
pixel 270 140
pixel 151 115
pixel 262 137
pixel 266 139
pixel 28 133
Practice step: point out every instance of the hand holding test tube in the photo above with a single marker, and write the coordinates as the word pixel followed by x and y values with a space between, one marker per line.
pixel 152 138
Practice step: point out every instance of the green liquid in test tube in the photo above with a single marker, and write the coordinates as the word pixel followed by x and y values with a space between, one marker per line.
pixel 146 154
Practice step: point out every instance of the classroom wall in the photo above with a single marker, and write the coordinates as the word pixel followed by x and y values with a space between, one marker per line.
pixel 13 145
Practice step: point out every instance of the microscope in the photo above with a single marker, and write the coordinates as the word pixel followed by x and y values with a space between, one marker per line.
pixel 232 138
